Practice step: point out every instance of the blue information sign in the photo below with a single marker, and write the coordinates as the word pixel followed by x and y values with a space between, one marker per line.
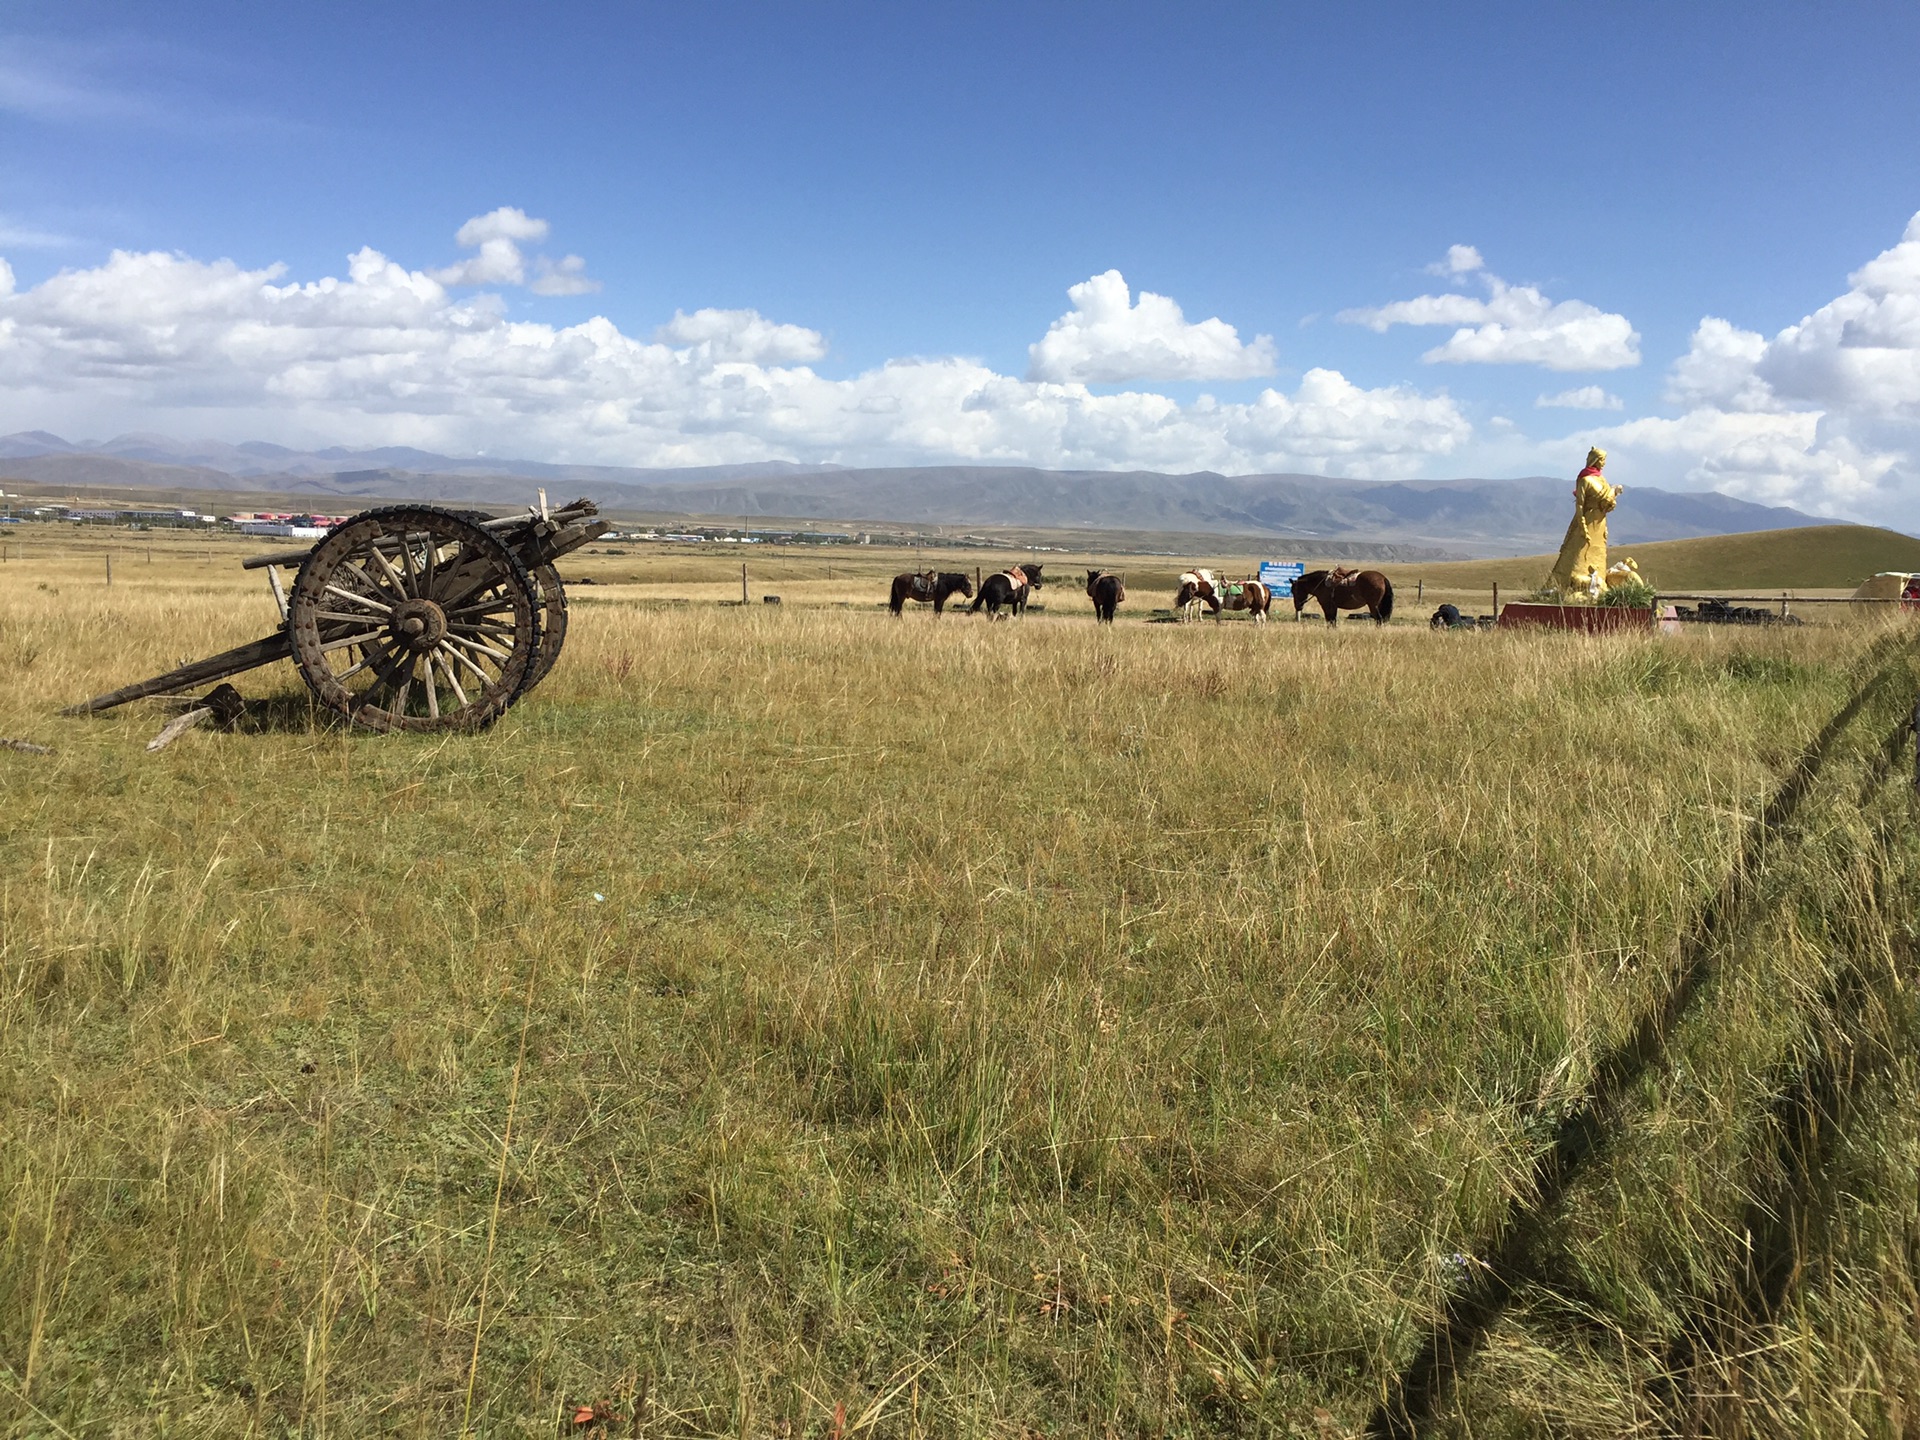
pixel 1281 572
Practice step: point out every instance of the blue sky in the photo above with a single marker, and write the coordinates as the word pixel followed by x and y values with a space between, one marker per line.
pixel 924 184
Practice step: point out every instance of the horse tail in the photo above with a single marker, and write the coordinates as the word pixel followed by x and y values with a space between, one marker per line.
pixel 978 601
pixel 1386 600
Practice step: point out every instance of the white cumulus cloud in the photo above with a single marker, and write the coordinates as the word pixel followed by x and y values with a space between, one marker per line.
pixel 1718 369
pixel 509 222
pixel 741 335
pixel 1108 338
pixel 392 355
pixel 1825 415
pixel 496 238
pixel 565 276
pixel 1512 325
pixel 1858 355
pixel 1583 397
pixel 1461 260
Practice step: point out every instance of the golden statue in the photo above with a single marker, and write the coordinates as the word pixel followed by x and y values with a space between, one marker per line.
pixel 1579 572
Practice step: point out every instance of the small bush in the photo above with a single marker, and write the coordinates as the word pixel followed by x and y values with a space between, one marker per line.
pixel 1630 595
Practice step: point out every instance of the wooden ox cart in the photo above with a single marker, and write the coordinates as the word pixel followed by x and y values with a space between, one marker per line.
pixel 410 617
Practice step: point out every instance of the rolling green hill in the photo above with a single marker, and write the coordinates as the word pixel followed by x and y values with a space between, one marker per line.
pixel 1819 557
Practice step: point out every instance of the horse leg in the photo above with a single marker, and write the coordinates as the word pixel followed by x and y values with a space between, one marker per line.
pixel 1331 611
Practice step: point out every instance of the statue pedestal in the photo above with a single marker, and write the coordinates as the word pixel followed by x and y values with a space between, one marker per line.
pixel 1588 619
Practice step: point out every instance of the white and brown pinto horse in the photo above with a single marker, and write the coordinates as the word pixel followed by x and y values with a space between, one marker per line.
pixel 1198 587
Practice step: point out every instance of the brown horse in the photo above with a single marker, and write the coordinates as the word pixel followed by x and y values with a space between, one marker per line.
pixel 1338 590
pixel 1106 590
pixel 927 587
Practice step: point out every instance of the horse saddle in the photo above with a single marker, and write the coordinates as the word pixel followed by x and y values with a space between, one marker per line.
pixel 1017 576
pixel 1341 574
pixel 922 586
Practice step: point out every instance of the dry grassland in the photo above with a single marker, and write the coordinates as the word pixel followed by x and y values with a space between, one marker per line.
pixel 956 1029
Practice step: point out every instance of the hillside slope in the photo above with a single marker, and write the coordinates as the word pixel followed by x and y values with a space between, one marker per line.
pixel 1819 557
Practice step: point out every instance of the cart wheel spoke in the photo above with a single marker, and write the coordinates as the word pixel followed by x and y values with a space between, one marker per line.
pixel 453 679
pixel 329 645
pixel 476 648
pixel 365 602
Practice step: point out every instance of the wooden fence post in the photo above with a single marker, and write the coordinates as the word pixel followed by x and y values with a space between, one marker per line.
pixel 109 569
pixel 1496 600
pixel 743 582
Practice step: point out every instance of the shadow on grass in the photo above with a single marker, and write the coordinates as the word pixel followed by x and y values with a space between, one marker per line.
pixel 1515 1254
pixel 291 712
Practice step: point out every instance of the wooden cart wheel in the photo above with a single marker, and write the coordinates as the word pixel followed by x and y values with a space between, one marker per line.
pixel 552 600
pixel 414 618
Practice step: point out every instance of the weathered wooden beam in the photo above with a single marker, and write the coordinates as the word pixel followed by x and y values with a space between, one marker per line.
pixel 572 514
pixel 250 656
pixel 564 541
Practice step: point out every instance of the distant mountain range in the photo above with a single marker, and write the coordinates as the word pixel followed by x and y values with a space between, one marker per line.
pixel 1482 517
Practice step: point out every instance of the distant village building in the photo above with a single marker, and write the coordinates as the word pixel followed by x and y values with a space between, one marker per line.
pixel 295 527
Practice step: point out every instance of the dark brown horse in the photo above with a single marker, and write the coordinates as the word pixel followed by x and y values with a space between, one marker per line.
pixel 1009 588
pixel 1106 590
pixel 1338 590
pixel 927 587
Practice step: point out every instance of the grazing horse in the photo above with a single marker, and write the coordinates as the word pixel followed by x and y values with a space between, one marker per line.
pixel 1197 588
pixel 1338 590
pixel 1106 590
pixel 1010 588
pixel 1248 595
pixel 927 587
